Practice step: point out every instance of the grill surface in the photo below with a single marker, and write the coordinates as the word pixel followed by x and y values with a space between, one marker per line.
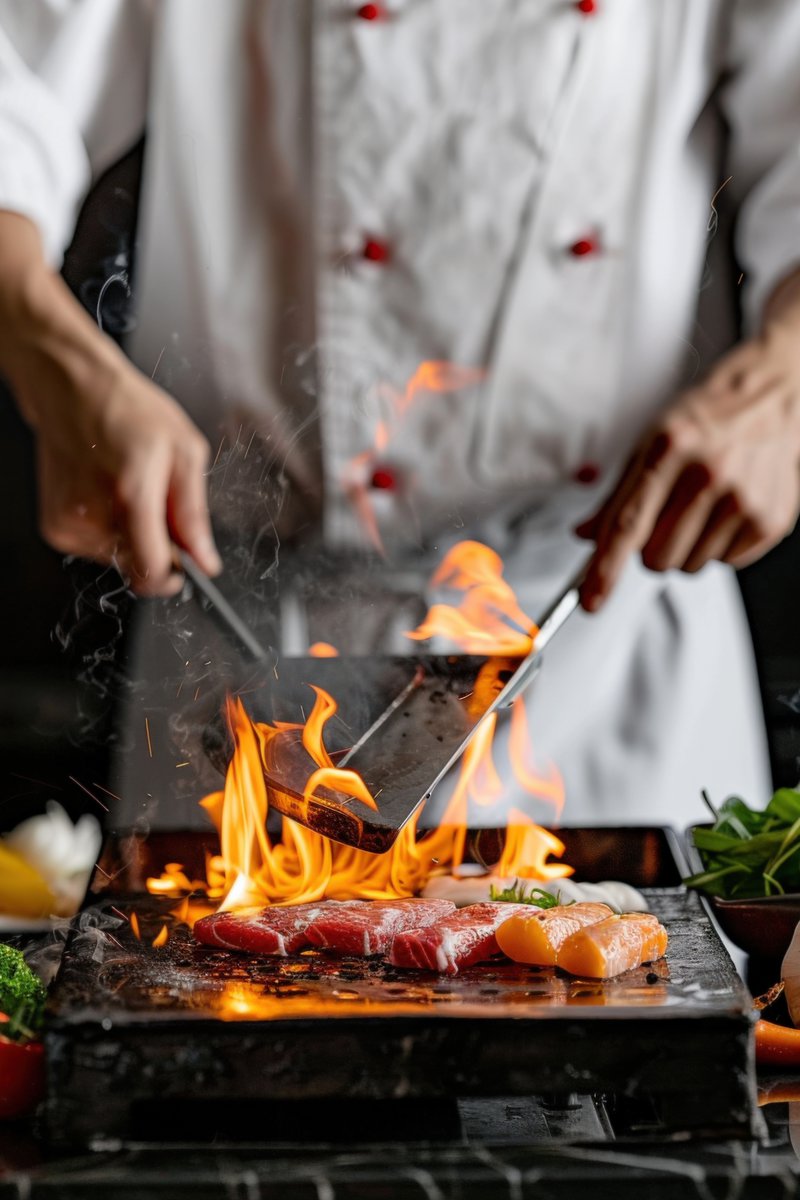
pixel 184 1023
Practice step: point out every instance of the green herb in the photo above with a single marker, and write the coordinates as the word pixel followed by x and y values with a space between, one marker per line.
pixel 22 996
pixel 516 894
pixel 750 852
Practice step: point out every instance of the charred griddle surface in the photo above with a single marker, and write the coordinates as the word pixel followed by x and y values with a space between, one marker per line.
pixel 187 1023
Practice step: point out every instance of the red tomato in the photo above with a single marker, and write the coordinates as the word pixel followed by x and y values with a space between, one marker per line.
pixel 21 1078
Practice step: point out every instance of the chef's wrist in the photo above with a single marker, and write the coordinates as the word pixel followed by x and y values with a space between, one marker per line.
pixel 45 336
pixel 25 277
pixel 782 310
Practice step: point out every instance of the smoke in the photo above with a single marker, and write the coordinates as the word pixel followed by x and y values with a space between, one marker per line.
pixel 92 931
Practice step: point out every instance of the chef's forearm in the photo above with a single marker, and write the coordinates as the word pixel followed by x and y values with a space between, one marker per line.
pixel 783 307
pixel 41 319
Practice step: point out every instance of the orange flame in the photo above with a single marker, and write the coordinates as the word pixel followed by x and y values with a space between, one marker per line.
pixel 429 378
pixel 323 650
pixel 303 865
pixel 161 937
pixel 252 870
pixel 436 377
pixel 549 786
pixel 487 619
pixel 328 775
pixel 134 924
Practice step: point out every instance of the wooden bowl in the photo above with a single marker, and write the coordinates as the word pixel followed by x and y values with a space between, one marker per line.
pixel 762 926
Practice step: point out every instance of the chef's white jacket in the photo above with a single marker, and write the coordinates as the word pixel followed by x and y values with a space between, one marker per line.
pixel 520 186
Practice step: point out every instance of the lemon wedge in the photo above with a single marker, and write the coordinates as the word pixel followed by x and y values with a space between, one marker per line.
pixel 23 891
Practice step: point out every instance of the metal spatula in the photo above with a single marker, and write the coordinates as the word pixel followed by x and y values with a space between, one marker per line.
pixel 402 723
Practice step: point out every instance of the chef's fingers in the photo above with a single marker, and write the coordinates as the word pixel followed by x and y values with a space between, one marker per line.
pixel 748 545
pixel 591 526
pixel 141 493
pixel 187 506
pixel 722 527
pixel 75 509
pixel 588 528
pixel 629 518
pixel 681 521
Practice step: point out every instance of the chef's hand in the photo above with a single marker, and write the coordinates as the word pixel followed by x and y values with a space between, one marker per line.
pixel 121 468
pixel 718 475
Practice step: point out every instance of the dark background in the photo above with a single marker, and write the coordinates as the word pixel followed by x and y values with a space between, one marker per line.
pixel 55 724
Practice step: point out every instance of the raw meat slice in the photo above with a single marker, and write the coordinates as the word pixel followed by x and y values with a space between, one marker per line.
pixel 613 946
pixel 270 931
pixel 536 935
pixel 367 927
pixel 468 936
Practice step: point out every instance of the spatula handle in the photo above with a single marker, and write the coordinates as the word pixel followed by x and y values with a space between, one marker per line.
pixel 221 608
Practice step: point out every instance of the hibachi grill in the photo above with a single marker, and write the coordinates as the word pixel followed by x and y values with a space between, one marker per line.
pixel 148 1025
pixel 144 1017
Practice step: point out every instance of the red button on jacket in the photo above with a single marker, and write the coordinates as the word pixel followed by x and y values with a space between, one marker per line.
pixel 587 7
pixel 384 479
pixel 371 12
pixel 375 251
pixel 584 246
pixel 588 472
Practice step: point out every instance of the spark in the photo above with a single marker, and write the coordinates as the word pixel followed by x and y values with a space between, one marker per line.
pixel 91 795
pixel 197 693
pixel 113 795
pixel 158 362
pixel 713 221
pixel 183 764
pixel 147 731
pixel 30 779
pixel 97 867
pixel 216 460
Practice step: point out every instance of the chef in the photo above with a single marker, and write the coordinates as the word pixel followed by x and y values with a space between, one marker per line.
pixel 336 193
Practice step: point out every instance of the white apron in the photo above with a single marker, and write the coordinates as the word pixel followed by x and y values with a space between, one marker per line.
pixel 520 188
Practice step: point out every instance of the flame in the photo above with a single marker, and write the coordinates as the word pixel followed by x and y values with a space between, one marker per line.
pixel 253 870
pixel 549 786
pixel 175 879
pixel 323 650
pixel 134 924
pixel 161 937
pixel 487 619
pixel 429 378
pixel 303 865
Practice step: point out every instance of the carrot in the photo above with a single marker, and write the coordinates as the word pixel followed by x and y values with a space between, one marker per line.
pixel 790 975
pixel 777 1045
pixel 779 1092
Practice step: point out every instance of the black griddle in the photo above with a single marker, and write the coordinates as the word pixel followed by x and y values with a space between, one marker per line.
pixel 187 1025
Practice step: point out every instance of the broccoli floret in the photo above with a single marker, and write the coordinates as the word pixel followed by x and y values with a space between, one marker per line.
pixel 22 994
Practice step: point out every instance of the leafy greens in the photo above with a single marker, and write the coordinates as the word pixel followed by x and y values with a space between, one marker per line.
pixel 750 852
pixel 516 894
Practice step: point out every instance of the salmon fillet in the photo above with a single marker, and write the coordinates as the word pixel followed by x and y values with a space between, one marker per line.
pixel 612 946
pixel 466 937
pixel 367 927
pixel 536 936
